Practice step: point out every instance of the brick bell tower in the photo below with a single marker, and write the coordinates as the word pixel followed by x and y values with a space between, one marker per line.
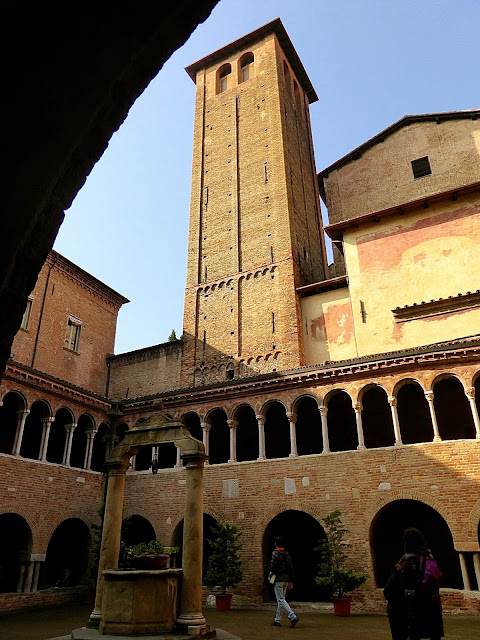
pixel 255 225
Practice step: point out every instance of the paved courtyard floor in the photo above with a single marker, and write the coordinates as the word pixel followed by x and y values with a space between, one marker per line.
pixel 41 624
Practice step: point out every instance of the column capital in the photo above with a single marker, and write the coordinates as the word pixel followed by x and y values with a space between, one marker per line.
pixel 392 401
pixel 323 410
pixel 117 468
pixel 46 422
pixel 470 393
pixel 233 424
pixel 71 427
pixel 22 412
pixel 205 426
pixel 429 396
pixel 357 407
pixel 292 416
pixel 260 417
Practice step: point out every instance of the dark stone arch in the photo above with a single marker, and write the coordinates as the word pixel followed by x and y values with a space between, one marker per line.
pixel 277 431
pixel 68 551
pixel 101 447
pixel 386 539
pixel 342 426
pixel 377 420
pixel 308 427
pixel 32 434
pixel 247 433
pixel 193 423
pixel 15 548
pixel 13 403
pixel 218 437
pixel 209 525
pixel 452 410
pixel 78 452
pixel 58 436
pixel 302 534
pixel 413 414
pixel 136 529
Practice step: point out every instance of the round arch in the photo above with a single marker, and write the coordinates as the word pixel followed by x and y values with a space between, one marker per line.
pixel 13 406
pixel 209 523
pixel 32 434
pixel 100 447
pixel 193 422
pixel 79 451
pixel 246 432
pixel 413 413
pixel 15 548
pixel 277 430
pixel 136 529
pixel 452 408
pixel 218 436
pixel 57 440
pixel 68 551
pixel 308 428
pixel 302 534
pixel 386 542
pixel 377 419
pixel 341 421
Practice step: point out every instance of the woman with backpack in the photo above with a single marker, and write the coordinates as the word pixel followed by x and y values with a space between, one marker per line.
pixel 412 591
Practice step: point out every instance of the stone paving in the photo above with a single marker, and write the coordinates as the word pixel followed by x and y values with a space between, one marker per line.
pixel 42 624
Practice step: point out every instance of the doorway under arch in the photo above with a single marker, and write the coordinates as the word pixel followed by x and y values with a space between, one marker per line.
pixel 302 534
pixel 386 539
pixel 136 529
pixel 15 547
pixel 68 552
pixel 209 524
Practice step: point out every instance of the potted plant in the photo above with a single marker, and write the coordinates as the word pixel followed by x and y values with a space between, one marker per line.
pixel 151 555
pixel 332 572
pixel 224 565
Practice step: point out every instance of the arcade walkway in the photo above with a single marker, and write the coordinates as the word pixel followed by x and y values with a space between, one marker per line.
pixel 247 624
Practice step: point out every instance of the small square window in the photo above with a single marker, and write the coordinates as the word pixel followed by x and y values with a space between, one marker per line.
pixel 72 337
pixel 26 314
pixel 421 167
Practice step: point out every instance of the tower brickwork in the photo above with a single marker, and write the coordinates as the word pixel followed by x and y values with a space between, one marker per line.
pixel 255 230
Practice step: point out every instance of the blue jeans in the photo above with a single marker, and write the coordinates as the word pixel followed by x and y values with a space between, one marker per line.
pixel 280 589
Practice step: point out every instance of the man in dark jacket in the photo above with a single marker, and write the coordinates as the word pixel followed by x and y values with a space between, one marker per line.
pixel 281 575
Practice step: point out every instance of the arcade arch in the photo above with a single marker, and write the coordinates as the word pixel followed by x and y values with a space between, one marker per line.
pixel 377 420
pixel 136 529
pixel 342 429
pixel 246 432
pixel 15 549
pixel 277 430
pixel 68 551
pixel 11 413
pixel 218 436
pixel 308 426
pixel 414 415
pixel 386 541
pixel 452 409
pixel 37 425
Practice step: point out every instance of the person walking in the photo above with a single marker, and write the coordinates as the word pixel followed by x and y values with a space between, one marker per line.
pixel 281 576
pixel 412 591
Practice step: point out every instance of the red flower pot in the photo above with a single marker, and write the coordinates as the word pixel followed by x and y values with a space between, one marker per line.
pixel 341 606
pixel 223 601
pixel 152 562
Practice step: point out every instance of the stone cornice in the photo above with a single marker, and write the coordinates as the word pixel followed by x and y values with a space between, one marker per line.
pixel 60 388
pixel 465 350
pixel 146 352
pixel 424 309
pixel 86 280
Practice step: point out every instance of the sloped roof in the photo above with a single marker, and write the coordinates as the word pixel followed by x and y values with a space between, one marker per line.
pixel 469 114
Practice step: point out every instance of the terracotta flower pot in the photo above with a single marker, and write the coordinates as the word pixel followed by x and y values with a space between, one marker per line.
pixel 341 606
pixel 152 562
pixel 223 601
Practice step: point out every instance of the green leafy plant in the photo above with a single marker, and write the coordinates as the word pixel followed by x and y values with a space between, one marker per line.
pixel 152 548
pixel 332 573
pixel 225 566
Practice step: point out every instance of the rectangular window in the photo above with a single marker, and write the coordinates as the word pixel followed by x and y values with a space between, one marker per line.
pixel 26 314
pixel 421 167
pixel 245 73
pixel 72 337
pixel 223 84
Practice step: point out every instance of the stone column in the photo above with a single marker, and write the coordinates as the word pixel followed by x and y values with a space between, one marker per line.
pixel 89 450
pixel 470 393
pixel 323 417
pixel 112 526
pixel 233 440
pixel 392 401
pixel 36 575
pixel 178 463
pixel 22 416
pixel 476 566
pixel 46 424
pixel 21 578
pixel 191 614
pixel 206 437
pixel 429 397
pixel 292 419
pixel 463 568
pixel 27 587
pixel 69 428
pixel 358 418
pixel 261 437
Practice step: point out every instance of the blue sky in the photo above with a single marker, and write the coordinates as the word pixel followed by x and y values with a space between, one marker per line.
pixel 370 61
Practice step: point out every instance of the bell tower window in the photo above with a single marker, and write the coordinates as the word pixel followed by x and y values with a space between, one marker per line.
pixel 223 74
pixel 246 67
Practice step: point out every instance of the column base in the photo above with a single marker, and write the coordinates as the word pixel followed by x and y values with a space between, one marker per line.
pixel 231 460
pixel 293 455
pixel 190 619
pixel 398 443
pixel 326 451
pixel 361 447
pixel 95 619
pixel 437 439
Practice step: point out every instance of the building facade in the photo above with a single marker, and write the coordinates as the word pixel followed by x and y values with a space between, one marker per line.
pixel 351 386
